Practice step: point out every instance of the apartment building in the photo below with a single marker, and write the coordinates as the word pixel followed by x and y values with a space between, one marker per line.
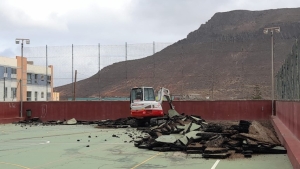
pixel 37 81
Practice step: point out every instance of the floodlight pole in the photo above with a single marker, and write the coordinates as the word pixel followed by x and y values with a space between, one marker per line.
pixel 18 40
pixel 266 30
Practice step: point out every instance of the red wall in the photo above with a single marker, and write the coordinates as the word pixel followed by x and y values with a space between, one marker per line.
pixel 80 110
pixel 99 110
pixel 9 112
pixel 225 110
pixel 288 113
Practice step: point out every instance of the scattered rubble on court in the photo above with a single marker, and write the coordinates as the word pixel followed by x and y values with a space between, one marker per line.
pixel 193 135
pixel 37 121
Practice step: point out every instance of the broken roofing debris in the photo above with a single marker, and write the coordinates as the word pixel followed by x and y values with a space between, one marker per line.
pixel 73 121
pixel 195 136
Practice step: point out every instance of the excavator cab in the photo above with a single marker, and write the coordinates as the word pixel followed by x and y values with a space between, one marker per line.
pixel 143 104
pixel 142 94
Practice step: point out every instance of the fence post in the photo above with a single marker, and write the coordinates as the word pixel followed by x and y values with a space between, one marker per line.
pixel 153 61
pixel 297 71
pixel 46 73
pixel 126 59
pixel 72 70
pixel 153 47
pixel 99 56
pixel 99 70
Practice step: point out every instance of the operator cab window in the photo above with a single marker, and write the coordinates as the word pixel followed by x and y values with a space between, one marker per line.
pixel 136 95
pixel 149 94
pixel 139 96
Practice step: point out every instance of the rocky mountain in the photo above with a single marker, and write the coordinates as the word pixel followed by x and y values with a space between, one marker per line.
pixel 228 57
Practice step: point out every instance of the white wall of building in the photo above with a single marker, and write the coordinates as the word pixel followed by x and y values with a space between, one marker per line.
pixel 38 69
pixel 39 90
pixel 10 62
pixel 9 83
pixel 13 83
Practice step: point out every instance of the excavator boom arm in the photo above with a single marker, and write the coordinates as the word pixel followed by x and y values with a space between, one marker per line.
pixel 163 92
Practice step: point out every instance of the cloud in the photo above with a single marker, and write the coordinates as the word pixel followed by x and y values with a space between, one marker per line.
pixel 7 52
pixel 108 22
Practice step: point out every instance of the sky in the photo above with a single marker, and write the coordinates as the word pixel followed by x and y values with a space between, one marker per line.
pixel 111 22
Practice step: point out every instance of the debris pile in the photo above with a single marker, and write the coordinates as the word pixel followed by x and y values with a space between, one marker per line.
pixel 194 135
pixel 118 123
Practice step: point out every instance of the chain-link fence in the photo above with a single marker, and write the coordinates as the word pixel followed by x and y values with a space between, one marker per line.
pixel 86 59
pixel 222 69
pixel 287 83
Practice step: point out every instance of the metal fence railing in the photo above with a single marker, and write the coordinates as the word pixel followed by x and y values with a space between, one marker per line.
pixel 86 59
pixel 192 72
pixel 219 70
pixel 287 78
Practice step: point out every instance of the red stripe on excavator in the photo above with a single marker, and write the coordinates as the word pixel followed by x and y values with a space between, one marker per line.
pixel 147 113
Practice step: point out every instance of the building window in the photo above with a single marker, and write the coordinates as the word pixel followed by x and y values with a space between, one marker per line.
pixel 35 96
pixel 35 78
pixel 49 96
pixel 13 71
pixel 5 72
pixel 42 77
pixel 13 92
pixel 28 78
pixel 49 79
pixel 42 95
pixel 13 74
pixel 28 95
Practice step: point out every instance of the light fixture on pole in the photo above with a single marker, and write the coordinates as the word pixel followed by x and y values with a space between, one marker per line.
pixel 18 40
pixel 266 31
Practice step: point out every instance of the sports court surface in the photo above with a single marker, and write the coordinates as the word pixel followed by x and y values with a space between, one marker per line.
pixel 84 146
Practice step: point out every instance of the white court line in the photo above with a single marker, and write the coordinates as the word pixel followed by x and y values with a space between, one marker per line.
pixel 215 165
pixel 47 142
pixel 22 144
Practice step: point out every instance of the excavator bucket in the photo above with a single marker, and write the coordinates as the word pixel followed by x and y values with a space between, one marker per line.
pixel 172 113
